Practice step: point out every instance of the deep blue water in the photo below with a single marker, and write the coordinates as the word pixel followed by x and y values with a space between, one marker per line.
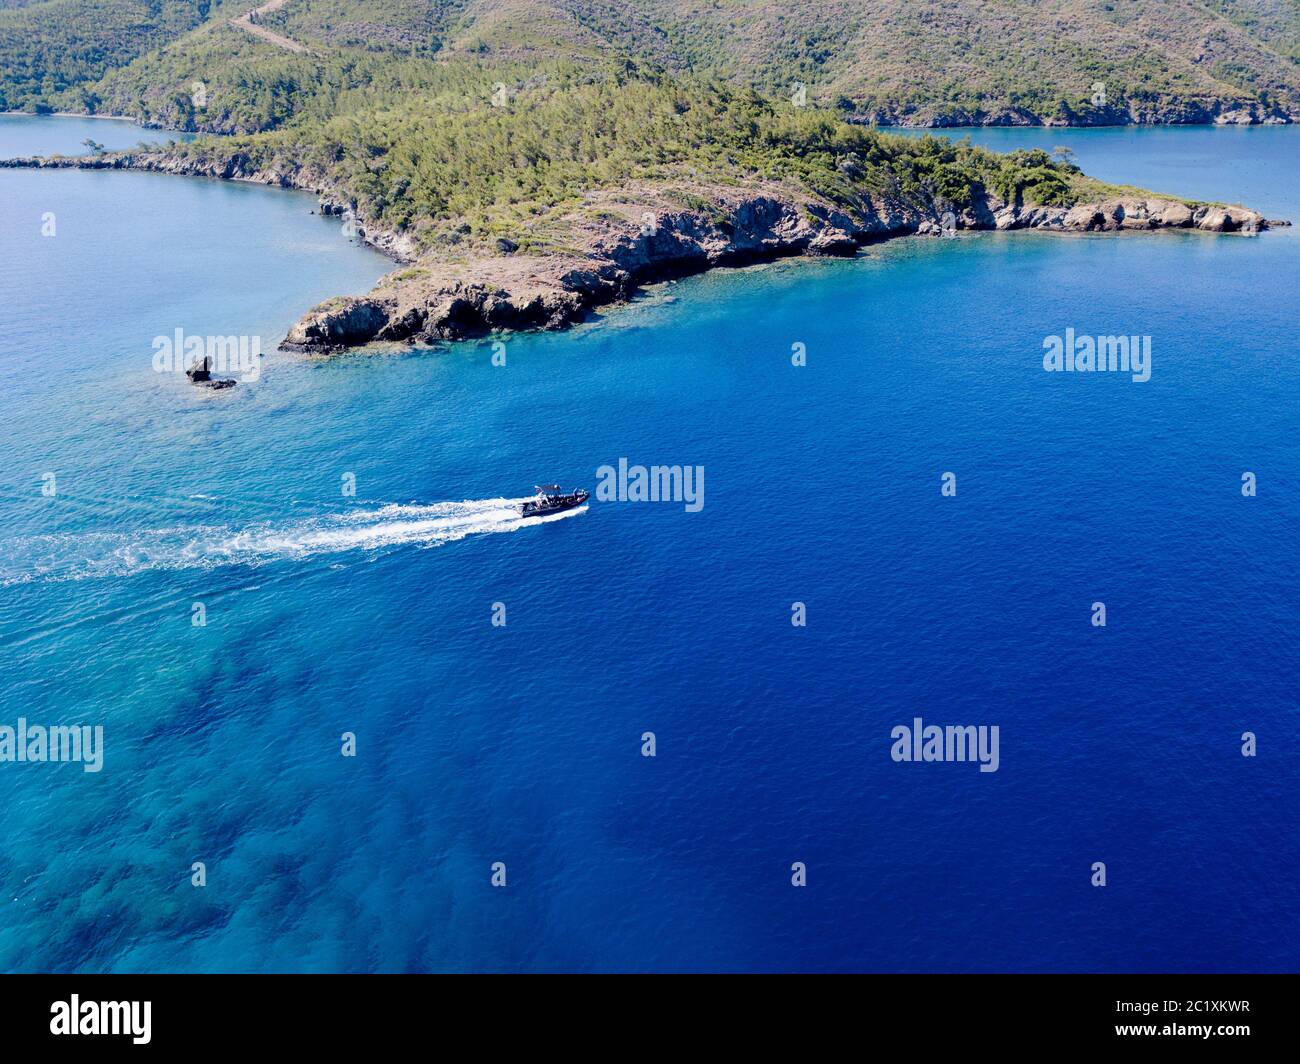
pixel 521 744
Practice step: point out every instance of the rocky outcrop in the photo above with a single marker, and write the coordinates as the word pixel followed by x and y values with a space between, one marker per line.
pixel 1132 213
pixel 201 374
pixel 338 323
pixel 615 242
pixel 622 243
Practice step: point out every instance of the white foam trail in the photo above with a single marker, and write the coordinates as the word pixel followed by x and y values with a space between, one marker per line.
pixel 74 556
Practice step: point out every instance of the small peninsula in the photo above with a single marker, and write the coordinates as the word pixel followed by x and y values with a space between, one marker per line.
pixel 725 179
pixel 525 161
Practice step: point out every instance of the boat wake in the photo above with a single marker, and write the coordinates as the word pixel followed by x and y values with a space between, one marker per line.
pixel 82 555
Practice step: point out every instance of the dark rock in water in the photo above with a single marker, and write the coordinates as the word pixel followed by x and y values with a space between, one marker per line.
pixel 201 374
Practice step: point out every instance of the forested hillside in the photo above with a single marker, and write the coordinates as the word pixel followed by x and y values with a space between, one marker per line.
pixel 50 46
pixel 449 165
pixel 893 61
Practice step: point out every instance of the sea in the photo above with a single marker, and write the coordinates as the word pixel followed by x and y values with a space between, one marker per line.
pixel 349 711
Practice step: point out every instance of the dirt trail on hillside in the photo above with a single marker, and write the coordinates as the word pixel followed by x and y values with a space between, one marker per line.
pixel 245 22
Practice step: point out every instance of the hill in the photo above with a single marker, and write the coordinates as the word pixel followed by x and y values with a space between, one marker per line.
pixel 48 47
pixel 940 62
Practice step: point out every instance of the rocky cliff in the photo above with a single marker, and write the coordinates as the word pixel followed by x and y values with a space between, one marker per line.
pixel 622 242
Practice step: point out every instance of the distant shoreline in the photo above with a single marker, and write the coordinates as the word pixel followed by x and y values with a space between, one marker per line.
pixel 78 114
pixel 936 124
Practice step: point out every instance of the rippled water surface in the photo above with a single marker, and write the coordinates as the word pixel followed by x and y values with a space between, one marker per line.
pixel 371 613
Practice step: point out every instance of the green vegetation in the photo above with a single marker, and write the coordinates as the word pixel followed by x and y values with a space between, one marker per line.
pixel 251 86
pixel 49 47
pixel 459 121
pixel 1276 23
pixel 447 164
pixel 889 58
pixel 961 57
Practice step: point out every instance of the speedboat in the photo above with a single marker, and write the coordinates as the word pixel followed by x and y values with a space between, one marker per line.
pixel 552 499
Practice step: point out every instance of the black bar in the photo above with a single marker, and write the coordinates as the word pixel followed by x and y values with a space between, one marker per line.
pixel 336 1014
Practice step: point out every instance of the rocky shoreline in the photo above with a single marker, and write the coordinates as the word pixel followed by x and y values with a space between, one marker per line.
pixel 452 301
pixel 1171 112
pixel 1124 113
pixel 234 167
pixel 618 240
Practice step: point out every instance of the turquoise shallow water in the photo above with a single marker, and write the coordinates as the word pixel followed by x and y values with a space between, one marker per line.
pixel 372 613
